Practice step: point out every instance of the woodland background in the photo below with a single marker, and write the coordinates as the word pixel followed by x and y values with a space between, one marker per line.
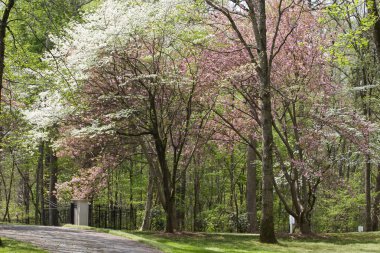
pixel 193 115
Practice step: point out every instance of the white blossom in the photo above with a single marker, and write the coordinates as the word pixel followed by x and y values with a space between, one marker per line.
pixel 47 111
pixel 112 26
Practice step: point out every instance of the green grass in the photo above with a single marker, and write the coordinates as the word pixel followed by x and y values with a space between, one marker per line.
pixel 17 247
pixel 245 243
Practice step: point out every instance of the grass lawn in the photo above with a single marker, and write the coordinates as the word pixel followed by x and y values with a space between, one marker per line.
pixel 17 247
pixel 236 243
pixel 244 243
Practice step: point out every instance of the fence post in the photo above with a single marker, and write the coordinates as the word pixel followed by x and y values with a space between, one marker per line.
pixel 106 218
pixel 90 215
pixel 72 213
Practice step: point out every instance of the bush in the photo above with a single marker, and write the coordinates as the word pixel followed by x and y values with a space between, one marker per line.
pixel 158 219
pixel 215 220
pixel 240 224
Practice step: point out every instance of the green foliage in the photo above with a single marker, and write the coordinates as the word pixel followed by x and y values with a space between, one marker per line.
pixel 215 220
pixel 340 209
pixel 158 219
pixel 352 31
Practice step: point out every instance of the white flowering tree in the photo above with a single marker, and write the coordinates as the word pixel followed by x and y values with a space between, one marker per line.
pixel 135 66
pixel 44 117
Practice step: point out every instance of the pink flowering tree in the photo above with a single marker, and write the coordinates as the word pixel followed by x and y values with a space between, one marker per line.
pixel 305 131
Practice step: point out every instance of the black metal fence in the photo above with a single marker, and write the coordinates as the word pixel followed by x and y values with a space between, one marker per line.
pixel 100 216
pixel 114 217
pixel 64 215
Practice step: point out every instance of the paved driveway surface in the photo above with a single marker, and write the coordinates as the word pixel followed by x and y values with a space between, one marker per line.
pixel 58 239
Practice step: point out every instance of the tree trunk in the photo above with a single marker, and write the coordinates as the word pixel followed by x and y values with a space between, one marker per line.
pixel 53 212
pixel 131 205
pixel 368 220
pixel 148 205
pixel 267 234
pixel 182 202
pixel 3 32
pixel 373 10
pixel 233 199
pixel 170 215
pixel 267 222
pixel 197 205
pixel 26 195
pixel 251 189
pixel 6 216
pixel 376 203
pixel 168 185
pixel 39 214
pixel 304 224
pixel 257 15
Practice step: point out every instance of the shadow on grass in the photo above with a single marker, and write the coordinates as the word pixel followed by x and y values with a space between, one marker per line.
pixel 337 239
pixel 204 242
pixel 210 243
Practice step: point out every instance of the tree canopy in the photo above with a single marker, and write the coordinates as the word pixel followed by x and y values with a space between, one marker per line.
pixel 199 115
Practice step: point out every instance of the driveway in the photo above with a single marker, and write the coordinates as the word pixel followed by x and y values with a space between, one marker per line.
pixel 58 239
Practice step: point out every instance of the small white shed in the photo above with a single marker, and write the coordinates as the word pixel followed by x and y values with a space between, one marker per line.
pixel 80 212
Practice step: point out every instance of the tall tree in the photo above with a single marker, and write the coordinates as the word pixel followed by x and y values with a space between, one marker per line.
pixel 262 57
